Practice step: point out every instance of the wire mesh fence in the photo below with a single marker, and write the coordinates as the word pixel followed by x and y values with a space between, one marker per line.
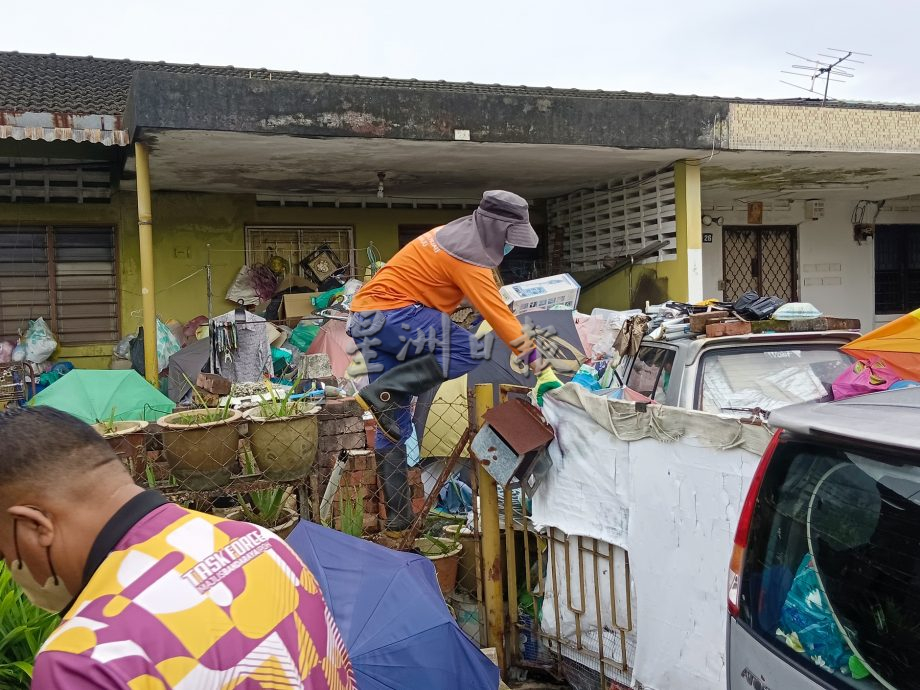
pixel 326 463
pixel 568 601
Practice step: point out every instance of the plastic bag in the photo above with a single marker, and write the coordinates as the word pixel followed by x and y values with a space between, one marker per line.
pixel 123 349
pixel 807 624
pixel 167 345
pixel 864 377
pixel 242 289
pixel 6 351
pixel 302 336
pixel 39 344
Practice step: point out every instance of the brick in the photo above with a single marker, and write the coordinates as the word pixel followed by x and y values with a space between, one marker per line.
pixel 370 523
pixel 340 441
pixel 361 460
pixel 417 505
pixel 331 427
pixel 353 425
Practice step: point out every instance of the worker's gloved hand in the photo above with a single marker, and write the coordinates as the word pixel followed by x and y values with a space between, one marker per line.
pixel 546 381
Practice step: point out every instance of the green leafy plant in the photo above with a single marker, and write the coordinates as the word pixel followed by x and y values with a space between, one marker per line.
pixel 352 513
pixel 23 630
pixel 279 406
pixel 109 426
pixel 264 507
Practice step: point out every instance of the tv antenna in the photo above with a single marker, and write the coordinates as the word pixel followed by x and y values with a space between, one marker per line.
pixel 838 66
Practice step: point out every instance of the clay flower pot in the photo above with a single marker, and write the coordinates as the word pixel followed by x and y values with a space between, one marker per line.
pixel 201 454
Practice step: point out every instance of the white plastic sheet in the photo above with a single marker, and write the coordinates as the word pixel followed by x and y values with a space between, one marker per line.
pixel 667 485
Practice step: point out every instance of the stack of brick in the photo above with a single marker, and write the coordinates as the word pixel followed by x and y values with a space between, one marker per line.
pixel 341 427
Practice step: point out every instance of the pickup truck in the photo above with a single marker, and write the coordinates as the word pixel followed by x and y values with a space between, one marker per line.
pixel 739 376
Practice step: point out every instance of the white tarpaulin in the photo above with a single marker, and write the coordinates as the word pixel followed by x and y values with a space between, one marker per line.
pixel 666 485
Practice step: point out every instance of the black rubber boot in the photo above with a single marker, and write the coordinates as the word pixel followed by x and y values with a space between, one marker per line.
pixel 395 388
pixel 393 475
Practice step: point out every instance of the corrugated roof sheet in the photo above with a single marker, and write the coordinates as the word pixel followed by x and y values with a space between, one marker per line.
pixel 52 83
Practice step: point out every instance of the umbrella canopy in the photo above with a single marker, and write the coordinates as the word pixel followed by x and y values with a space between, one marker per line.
pixel 441 414
pixel 92 396
pixel 187 363
pixel 896 343
pixel 391 614
pixel 333 341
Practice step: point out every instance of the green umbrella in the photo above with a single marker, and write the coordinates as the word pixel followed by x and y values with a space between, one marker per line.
pixel 92 395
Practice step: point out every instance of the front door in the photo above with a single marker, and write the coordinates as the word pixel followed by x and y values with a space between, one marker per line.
pixel 762 259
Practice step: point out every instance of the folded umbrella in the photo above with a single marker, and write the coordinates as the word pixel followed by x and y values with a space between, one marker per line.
pixel 391 614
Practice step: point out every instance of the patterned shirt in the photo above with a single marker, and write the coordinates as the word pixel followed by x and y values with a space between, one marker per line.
pixel 184 600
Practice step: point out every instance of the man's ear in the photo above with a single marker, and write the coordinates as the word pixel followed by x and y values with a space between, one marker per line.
pixel 31 517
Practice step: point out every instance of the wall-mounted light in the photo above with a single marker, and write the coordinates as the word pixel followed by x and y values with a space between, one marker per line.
pixel 709 220
pixel 380 178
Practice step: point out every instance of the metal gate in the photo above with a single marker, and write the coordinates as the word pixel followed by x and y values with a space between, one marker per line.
pixel 759 259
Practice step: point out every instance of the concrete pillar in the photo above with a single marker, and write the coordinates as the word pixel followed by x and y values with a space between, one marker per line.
pixel 687 284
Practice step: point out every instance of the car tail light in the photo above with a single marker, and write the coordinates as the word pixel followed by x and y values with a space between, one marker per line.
pixel 744 528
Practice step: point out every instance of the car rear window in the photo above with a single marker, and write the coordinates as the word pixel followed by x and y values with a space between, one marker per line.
pixel 735 381
pixel 832 573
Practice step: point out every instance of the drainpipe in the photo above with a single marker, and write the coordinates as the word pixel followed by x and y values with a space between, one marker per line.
pixel 491 539
pixel 145 231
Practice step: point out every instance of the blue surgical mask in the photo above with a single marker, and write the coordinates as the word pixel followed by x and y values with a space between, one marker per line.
pixel 508 248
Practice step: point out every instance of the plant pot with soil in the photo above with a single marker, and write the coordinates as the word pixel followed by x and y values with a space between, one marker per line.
pixel 283 436
pixel 268 508
pixel 201 446
pixel 128 440
pixel 444 554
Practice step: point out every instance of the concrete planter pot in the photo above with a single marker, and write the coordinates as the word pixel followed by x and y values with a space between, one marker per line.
pixel 445 563
pixel 128 441
pixel 201 455
pixel 284 447
pixel 287 521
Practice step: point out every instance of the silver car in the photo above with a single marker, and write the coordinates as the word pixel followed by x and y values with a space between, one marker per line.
pixel 737 375
pixel 824 582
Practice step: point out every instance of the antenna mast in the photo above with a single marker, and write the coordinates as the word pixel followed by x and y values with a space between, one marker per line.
pixel 838 66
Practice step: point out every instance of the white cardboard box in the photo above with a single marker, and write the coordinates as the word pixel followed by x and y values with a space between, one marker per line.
pixel 542 293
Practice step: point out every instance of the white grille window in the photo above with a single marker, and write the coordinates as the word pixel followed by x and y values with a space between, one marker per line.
pixel 616 221
pixel 65 275
pixel 295 243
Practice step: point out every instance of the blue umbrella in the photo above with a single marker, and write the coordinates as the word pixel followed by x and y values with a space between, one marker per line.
pixel 392 616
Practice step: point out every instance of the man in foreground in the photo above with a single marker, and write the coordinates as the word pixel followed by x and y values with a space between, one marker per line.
pixel 153 596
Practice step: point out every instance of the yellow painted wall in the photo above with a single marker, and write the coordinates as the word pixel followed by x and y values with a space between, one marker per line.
pixel 183 224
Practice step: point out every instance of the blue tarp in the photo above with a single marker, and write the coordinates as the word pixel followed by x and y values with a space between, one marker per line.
pixel 392 616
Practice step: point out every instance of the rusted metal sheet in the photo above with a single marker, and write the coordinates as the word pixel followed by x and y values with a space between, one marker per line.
pixel 96 129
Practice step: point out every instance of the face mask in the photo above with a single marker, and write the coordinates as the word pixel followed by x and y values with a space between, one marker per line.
pixel 52 596
pixel 508 248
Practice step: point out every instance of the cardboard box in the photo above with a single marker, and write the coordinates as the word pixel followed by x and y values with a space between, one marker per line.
pixel 542 293
pixel 296 306
pixel 212 383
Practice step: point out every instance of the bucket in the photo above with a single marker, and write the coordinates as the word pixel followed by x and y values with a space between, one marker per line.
pixel 445 564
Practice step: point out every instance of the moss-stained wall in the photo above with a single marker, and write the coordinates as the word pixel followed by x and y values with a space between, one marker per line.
pixel 183 225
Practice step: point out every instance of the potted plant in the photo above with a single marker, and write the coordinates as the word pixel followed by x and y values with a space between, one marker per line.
pixel 128 440
pixel 201 445
pixel 444 553
pixel 267 508
pixel 283 435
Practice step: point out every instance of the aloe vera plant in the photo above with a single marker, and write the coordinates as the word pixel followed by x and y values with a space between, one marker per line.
pixel 352 513
pixel 213 414
pixel 264 507
pixel 23 630
pixel 280 406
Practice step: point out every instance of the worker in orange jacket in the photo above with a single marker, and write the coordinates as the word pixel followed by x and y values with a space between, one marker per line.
pixel 400 321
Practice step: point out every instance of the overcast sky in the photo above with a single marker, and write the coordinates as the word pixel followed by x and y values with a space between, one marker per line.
pixel 706 47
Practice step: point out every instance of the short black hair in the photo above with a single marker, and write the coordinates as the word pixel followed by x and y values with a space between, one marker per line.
pixel 41 443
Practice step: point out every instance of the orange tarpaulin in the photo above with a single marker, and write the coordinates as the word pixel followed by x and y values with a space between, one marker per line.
pixel 896 343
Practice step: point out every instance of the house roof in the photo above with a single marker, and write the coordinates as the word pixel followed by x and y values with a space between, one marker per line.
pixel 50 83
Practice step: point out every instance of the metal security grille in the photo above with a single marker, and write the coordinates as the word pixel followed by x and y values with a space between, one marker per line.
pixel 617 220
pixel 295 243
pixel 759 259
